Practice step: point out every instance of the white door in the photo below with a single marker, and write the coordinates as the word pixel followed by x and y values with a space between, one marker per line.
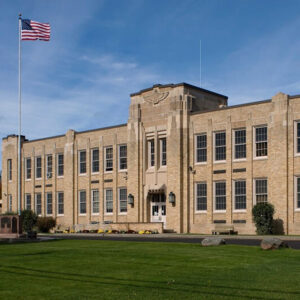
pixel 158 212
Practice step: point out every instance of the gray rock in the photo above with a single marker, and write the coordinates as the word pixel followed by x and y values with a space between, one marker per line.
pixel 213 241
pixel 272 243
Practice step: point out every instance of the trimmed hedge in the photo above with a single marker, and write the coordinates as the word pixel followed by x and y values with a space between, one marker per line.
pixel 263 217
pixel 28 219
pixel 44 224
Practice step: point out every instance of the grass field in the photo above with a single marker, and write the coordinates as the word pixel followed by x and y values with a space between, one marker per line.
pixel 130 270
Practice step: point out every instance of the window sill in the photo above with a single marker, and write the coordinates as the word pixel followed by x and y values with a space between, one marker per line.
pixel 83 174
pixel 122 213
pixel 201 212
pixel 60 215
pixel 108 172
pixel 27 179
pixel 239 160
pixel 95 214
pixel 239 210
pixel 219 161
pixel 94 173
pixel 260 157
pixel 219 211
pixel 60 177
pixel 297 210
pixel 108 214
pixel 201 163
pixel 122 170
pixel 82 215
pixel 37 179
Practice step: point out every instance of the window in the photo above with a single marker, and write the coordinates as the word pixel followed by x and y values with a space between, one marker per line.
pixel 261 141
pixel 9 169
pixel 95 160
pixel 108 159
pixel 109 201
pixel 151 153
pixel 9 204
pixel 123 157
pixel 82 202
pixel 163 152
pixel 38 167
pixel 240 144
pixel 95 201
pixel 220 146
pixel 240 195
pixel 297 130
pixel 49 168
pixel 201 148
pixel 220 195
pixel 28 201
pixel 28 168
pixel 82 162
pixel 60 165
pixel 38 203
pixel 201 196
pixel 60 203
pixel 123 200
pixel 49 203
pixel 261 190
pixel 297 205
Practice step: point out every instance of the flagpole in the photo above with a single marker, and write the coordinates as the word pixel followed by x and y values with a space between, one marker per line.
pixel 19 138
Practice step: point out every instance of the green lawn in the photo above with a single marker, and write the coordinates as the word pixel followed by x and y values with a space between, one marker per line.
pixel 130 270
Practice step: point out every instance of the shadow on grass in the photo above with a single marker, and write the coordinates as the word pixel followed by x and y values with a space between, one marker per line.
pixel 148 284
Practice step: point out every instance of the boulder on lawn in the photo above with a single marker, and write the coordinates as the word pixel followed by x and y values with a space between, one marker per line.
pixel 272 243
pixel 213 241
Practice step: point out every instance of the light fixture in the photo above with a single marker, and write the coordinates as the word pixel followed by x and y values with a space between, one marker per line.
pixel 172 198
pixel 130 199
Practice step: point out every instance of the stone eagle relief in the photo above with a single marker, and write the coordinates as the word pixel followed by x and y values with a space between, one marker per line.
pixel 155 97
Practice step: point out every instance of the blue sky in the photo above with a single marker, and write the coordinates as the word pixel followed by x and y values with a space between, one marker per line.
pixel 101 51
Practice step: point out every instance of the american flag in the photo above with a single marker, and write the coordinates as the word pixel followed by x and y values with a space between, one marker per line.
pixel 32 30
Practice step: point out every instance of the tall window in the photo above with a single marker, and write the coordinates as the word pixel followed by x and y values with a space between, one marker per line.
pixel 38 167
pixel 151 153
pixel 163 152
pixel 261 190
pixel 108 201
pixel 123 157
pixel 201 148
pixel 298 137
pixel 82 202
pixel 60 203
pixel 298 193
pixel 49 203
pixel 28 168
pixel 201 196
pixel 240 144
pixel 28 201
pixel 108 159
pixel 220 146
pixel 9 169
pixel 95 160
pixel 122 200
pixel 60 165
pixel 49 165
pixel 220 195
pixel 239 194
pixel 95 202
pixel 9 204
pixel 38 203
pixel 82 162
pixel 261 141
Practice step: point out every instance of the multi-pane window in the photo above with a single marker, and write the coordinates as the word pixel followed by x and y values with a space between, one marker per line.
pixel 82 162
pixel 108 201
pixel 298 137
pixel 60 164
pixel 28 168
pixel 95 160
pixel 28 201
pixel 123 157
pixel 201 148
pixel 220 145
pixel 298 193
pixel 95 202
pixel 38 167
pixel 201 196
pixel 9 204
pixel 220 195
pixel 239 194
pixel 261 190
pixel 163 152
pixel 49 202
pixel 108 159
pixel 261 141
pixel 60 203
pixel 240 144
pixel 151 153
pixel 82 202
pixel 38 203
pixel 123 200
pixel 9 169
pixel 49 166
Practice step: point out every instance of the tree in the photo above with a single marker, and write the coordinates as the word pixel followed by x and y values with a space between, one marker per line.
pixel 28 219
pixel 263 217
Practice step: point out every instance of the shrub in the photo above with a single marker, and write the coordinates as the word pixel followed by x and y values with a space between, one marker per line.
pixel 28 219
pixel 263 217
pixel 44 224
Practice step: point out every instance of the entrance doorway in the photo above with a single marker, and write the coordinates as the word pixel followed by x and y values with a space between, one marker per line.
pixel 158 208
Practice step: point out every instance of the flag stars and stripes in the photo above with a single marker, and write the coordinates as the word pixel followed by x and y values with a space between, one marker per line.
pixel 32 30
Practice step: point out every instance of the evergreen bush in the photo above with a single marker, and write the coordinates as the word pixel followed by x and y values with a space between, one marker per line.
pixel 44 224
pixel 263 217
pixel 28 219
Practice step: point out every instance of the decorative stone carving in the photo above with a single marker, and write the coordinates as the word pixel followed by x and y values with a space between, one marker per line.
pixel 155 97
